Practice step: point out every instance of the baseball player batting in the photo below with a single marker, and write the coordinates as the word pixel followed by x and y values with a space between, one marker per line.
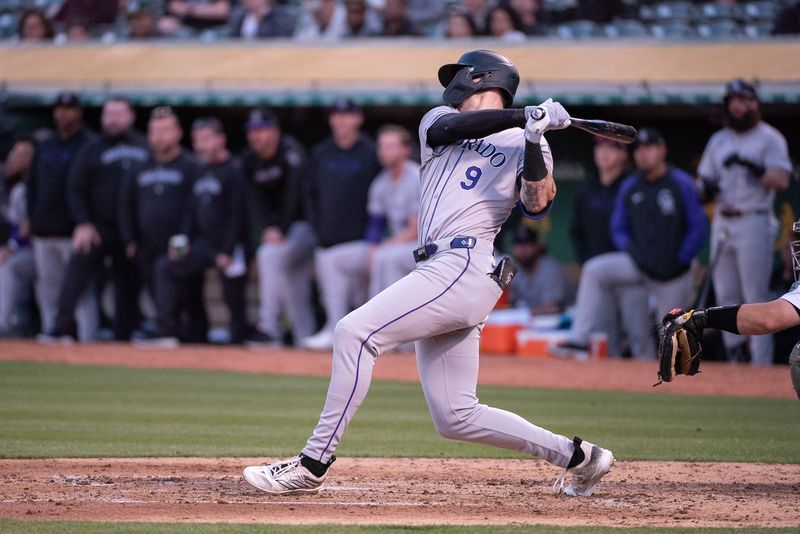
pixel 479 160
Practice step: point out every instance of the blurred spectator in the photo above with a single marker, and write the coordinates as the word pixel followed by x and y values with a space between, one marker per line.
pixel 392 207
pixel 155 194
pixel 742 166
pixel 275 166
pixel 34 27
pixel 93 192
pixel 193 15
pixel 658 226
pixel 459 25
pixel 50 219
pixel 788 20
pixel 360 20
pixel 395 20
pixel 260 18
pixel 76 31
pixel 321 20
pixel 590 230
pixel 89 12
pixel 214 233
pixel 342 167
pixel 504 24
pixel 142 25
pixel 17 268
pixel 425 15
pixel 600 11
pixel 478 10
pixel 527 11
pixel 539 284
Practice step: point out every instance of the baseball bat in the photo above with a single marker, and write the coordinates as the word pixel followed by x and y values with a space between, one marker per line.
pixel 623 133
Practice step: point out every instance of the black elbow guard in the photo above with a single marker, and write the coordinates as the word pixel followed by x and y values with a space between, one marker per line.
pixel 534 167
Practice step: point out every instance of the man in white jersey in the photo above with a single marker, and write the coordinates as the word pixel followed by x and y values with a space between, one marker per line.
pixel 742 166
pixel 758 318
pixel 477 164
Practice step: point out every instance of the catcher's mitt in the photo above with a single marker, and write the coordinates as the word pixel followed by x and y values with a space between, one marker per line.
pixel 679 347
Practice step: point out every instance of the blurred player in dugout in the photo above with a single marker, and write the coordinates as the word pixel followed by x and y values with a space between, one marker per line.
pixel 212 235
pixel 93 193
pixel 341 171
pixel 590 230
pixel 155 195
pixel 275 166
pixel 742 166
pixel 51 223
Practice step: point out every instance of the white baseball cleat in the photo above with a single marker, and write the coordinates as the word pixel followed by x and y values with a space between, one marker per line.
pixel 585 476
pixel 284 477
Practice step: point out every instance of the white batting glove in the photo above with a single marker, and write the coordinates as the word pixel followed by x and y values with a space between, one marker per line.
pixel 555 118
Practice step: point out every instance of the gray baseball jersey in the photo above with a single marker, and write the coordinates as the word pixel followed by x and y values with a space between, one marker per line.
pixel 763 145
pixel 397 200
pixel 469 187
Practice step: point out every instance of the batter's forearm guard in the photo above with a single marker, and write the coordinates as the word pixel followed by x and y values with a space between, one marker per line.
pixel 534 167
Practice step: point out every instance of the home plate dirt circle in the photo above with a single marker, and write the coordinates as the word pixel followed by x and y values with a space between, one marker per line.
pixel 409 491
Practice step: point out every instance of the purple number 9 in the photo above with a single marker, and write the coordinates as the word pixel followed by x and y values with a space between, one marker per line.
pixel 472 176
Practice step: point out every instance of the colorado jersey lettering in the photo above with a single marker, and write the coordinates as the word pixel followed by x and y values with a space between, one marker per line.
pixel 467 187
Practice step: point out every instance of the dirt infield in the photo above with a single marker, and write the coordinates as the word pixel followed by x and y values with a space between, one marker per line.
pixel 402 491
pixel 408 491
pixel 612 374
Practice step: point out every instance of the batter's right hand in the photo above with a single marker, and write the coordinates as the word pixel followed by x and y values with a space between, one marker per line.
pixel 555 118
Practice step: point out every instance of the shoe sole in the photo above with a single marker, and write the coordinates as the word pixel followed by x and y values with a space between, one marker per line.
pixel 570 491
pixel 254 480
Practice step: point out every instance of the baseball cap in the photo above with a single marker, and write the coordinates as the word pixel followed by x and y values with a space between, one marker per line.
pixel 649 136
pixel 261 118
pixel 739 87
pixel 67 100
pixel 345 105
pixel 525 234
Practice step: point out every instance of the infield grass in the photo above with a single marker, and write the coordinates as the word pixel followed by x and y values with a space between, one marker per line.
pixel 84 527
pixel 49 410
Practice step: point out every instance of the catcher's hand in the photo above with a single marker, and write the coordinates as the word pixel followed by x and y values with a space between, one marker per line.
pixel 679 347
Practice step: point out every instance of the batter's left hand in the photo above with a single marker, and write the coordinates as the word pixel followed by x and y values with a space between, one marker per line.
pixel 555 118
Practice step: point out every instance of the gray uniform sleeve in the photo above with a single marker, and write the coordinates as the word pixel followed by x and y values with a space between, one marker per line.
pixel 776 153
pixel 425 151
pixel 708 165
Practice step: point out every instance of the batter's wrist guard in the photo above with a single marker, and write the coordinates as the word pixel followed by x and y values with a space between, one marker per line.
pixel 534 168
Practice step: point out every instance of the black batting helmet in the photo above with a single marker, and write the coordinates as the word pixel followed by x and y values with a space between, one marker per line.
pixel 475 71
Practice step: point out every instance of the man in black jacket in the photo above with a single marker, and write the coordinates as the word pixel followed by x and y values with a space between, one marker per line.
pixel 93 191
pixel 155 194
pixel 51 223
pixel 275 167
pixel 213 233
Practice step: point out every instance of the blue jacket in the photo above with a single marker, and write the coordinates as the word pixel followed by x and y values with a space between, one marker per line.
pixel 660 223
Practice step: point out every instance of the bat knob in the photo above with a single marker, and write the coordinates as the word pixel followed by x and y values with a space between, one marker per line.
pixel 538 114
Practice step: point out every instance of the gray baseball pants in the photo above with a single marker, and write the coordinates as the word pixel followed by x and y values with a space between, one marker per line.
pixel 743 271
pixel 284 282
pixel 390 263
pixel 615 273
pixel 442 305
pixel 343 277
pixel 14 274
pixel 51 255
